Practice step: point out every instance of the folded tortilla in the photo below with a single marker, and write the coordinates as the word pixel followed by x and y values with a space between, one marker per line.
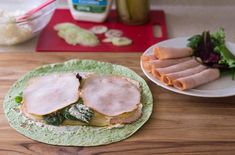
pixel 76 135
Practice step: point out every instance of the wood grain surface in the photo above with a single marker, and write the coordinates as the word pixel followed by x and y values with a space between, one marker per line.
pixel 179 124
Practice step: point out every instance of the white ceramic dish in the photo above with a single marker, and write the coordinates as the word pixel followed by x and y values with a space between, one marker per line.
pixel 222 87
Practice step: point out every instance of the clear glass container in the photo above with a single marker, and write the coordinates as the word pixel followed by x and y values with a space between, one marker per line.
pixel 13 31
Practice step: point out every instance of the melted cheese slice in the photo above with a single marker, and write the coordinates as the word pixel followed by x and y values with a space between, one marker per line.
pixel 98 119
pixel 47 94
pixel 110 95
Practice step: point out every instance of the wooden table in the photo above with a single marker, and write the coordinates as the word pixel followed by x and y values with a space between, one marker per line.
pixel 179 124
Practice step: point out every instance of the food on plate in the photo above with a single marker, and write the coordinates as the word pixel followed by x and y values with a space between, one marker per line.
pixel 159 72
pixel 156 63
pixel 188 67
pixel 51 90
pixel 74 35
pixel 111 95
pixel 211 49
pixel 79 103
pixel 146 58
pixel 171 52
pixel 97 102
pixel 170 77
pixel 181 73
pixel 197 79
pixel 121 41
pixel 100 29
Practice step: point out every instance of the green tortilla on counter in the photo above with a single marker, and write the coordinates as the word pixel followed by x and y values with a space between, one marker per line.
pixel 75 135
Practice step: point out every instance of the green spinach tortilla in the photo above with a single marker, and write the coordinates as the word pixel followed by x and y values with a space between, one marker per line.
pixel 75 135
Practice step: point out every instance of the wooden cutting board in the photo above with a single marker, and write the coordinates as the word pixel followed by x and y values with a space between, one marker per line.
pixel 179 124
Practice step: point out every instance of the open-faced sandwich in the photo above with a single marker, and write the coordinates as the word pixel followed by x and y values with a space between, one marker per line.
pixel 79 103
pixel 72 99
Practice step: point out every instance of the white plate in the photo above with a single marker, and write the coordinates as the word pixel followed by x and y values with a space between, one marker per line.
pixel 222 87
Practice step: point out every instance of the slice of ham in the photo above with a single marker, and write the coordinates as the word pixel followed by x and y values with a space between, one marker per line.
pixel 147 58
pixel 198 79
pixel 148 65
pixel 168 78
pixel 159 72
pixel 47 94
pixel 170 52
pixel 128 118
pixel 110 95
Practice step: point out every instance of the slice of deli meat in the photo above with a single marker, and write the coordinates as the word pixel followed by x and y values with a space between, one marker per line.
pixel 110 95
pixel 159 72
pixel 128 117
pixel 148 65
pixel 168 62
pixel 147 57
pixel 198 79
pixel 168 78
pixel 171 52
pixel 47 94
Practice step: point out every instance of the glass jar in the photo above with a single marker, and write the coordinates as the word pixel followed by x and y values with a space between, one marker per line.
pixel 133 12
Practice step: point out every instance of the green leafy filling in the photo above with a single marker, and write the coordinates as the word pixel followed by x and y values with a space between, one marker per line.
pixel 77 111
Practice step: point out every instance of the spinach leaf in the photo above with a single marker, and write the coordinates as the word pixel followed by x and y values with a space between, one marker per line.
pixel 67 115
pixel 81 112
pixel 54 119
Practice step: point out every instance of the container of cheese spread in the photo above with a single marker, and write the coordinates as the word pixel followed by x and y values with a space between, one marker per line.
pixel 90 10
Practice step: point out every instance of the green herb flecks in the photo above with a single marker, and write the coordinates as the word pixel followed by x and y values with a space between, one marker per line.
pixel 19 98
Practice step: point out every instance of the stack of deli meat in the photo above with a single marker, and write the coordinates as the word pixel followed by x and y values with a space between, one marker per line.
pixel 177 67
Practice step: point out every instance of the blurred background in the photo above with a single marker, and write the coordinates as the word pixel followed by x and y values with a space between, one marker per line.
pixel 183 18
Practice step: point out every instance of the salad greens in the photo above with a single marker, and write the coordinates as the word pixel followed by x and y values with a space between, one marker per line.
pixel 212 50
pixel 77 111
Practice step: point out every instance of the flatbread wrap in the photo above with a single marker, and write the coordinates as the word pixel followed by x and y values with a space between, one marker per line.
pixel 119 125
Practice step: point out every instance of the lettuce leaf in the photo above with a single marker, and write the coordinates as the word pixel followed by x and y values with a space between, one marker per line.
pixel 211 49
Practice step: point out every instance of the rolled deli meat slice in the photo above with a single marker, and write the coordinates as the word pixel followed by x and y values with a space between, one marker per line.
pixel 168 78
pixel 198 79
pixel 168 62
pixel 110 95
pixel 49 93
pixel 159 72
pixel 147 58
pixel 171 52
pixel 148 65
